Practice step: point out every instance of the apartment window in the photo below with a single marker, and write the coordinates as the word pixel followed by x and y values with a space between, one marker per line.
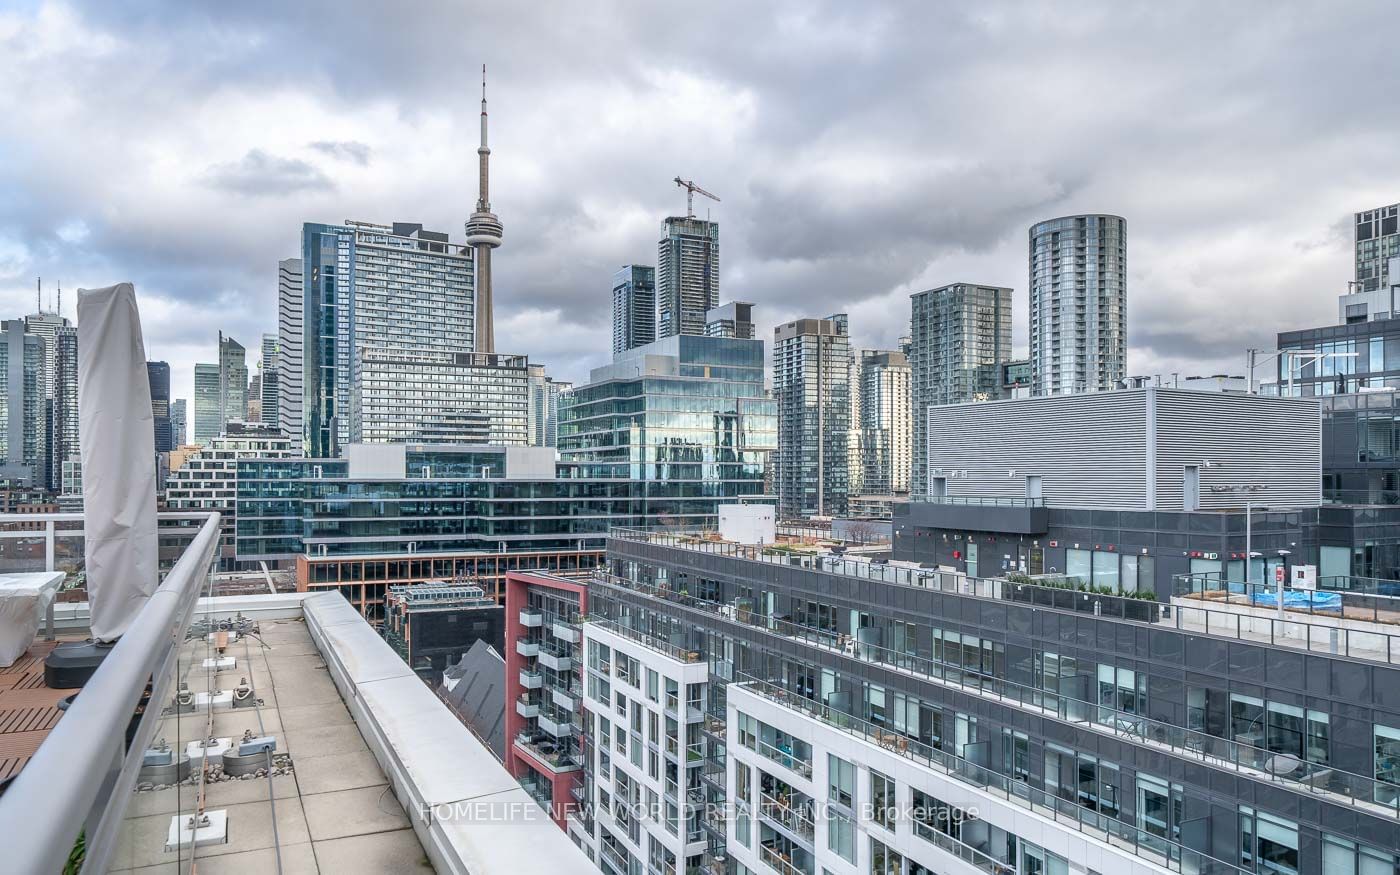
pixel 884 860
pixel 1016 754
pixel 1159 808
pixel 1387 739
pixel 743 783
pixel 1078 565
pixel 1344 857
pixel 882 800
pixel 841 836
pixel 841 781
pixel 1268 844
pixel 653 684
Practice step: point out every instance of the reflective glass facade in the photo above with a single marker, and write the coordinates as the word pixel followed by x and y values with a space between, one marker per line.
pixel 449 501
pixel 686 411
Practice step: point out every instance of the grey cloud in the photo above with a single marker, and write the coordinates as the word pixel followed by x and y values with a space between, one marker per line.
pixel 259 174
pixel 347 150
pixel 886 146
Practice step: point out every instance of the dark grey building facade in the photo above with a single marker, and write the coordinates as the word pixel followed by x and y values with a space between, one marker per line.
pixel 1128 725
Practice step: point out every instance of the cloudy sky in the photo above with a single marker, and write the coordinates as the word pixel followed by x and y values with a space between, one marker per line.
pixel 862 152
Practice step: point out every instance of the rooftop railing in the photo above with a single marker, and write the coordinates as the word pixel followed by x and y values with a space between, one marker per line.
pixel 81 778
pixel 985 501
pixel 1325 621
pixel 1220 621
pixel 1314 778
pixel 54 541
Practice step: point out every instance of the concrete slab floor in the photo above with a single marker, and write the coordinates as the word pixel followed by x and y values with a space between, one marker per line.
pixel 335 812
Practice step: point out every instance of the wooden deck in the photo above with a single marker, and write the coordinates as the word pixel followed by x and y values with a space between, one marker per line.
pixel 28 709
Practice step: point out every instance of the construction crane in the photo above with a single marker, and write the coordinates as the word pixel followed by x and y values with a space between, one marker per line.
pixel 690 190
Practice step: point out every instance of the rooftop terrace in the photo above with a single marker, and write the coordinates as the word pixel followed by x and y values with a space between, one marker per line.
pixel 367 770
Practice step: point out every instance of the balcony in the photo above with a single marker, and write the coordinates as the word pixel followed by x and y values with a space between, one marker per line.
pixel 531 680
pixel 781 812
pixel 560 660
pixel 566 632
pixel 1119 834
pixel 531 618
pixel 527 708
pixel 564 699
pixel 557 726
pixel 338 703
pixel 526 648
pixel 1022 516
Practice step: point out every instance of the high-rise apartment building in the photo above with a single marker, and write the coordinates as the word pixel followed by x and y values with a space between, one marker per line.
pixel 959 335
pixel 1377 241
pixel 1078 304
pixel 208 479
pixel 233 380
pixel 178 432
pixel 208 408
pixel 633 307
pixel 368 287
pixel 289 349
pixel 415 395
pixel 734 319
pixel 885 423
pixel 63 446
pixel 868 718
pixel 252 409
pixel 544 407
pixel 220 391
pixel 158 375
pixel 543 663
pixel 46 325
pixel 812 388
pixel 687 275
pixel 22 421
pixel 269 373
pixel 689 411
pixel 855 445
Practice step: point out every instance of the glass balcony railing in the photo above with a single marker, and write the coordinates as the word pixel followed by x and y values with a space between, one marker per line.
pixel 165 733
pixel 1313 778
pixel 1095 824
pixel 1330 621
pixel 61 792
pixel 792 819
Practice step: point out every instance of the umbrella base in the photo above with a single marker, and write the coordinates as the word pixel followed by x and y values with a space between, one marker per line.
pixel 71 664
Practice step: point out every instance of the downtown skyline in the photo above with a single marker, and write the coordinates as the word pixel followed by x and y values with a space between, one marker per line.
pixel 836 195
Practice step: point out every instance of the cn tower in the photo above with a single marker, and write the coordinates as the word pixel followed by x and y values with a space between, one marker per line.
pixel 484 234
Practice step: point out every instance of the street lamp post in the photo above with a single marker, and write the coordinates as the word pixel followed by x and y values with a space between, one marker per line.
pixel 1279 575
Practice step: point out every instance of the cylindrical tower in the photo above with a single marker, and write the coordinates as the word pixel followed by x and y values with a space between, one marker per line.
pixel 1078 304
pixel 484 234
